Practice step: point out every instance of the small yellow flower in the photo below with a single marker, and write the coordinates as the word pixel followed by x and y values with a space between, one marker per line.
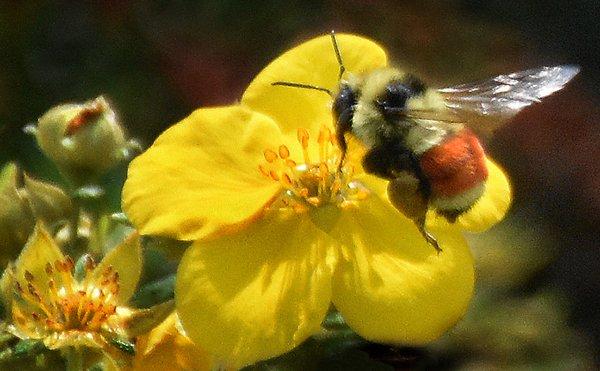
pixel 46 302
pixel 166 348
pixel 279 234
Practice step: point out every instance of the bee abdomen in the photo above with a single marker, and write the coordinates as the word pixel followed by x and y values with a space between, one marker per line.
pixel 456 171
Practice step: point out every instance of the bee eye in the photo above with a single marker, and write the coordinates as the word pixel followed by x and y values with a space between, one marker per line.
pixel 344 101
pixel 394 99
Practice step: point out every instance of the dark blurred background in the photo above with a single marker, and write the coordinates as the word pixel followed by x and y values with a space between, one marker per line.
pixel 158 60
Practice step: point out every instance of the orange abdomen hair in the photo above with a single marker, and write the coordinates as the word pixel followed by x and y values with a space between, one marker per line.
pixel 454 166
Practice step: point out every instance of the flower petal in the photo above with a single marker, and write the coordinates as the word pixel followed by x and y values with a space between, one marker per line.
pixel 201 175
pixel 256 294
pixel 393 287
pixel 489 209
pixel 313 62
pixel 164 348
pixel 39 251
pixel 126 260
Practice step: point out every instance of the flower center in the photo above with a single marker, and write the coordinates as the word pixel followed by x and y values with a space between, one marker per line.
pixel 57 302
pixel 309 184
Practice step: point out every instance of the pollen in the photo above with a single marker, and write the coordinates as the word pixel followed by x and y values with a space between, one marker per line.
pixel 306 183
pixel 56 302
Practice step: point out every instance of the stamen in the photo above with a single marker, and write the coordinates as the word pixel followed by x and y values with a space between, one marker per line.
pixel 274 175
pixel 264 171
pixel 270 156
pixel 303 136
pixel 49 270
pixel 67 304
pixel 309 184
pixel 303 139
pixel 284 152
pixel 28 276
pixel 70 264
pixel 286 180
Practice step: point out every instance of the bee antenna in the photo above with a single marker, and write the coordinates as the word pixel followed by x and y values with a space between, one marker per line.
pixel 302 86
pixel 338 55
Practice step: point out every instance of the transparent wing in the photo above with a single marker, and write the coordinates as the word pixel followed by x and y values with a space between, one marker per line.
pixel 491 102
pixel 506 95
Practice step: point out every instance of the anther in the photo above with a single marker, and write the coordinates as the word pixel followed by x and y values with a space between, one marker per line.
pixel 49 269
pixel 290 163
pixel 263 171
pixel 111 309
pixel 274 175
pixel 287 181
pixel 324 135
pixel 284 151
pixel 270 156
pixel 70 263
pixel 28 276
pixel 303 137
pixel 34 292
pixel 107 271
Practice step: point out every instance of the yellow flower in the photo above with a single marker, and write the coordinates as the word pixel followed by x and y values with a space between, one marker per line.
pixel 166 348
pixel 279 235
pixel 45 301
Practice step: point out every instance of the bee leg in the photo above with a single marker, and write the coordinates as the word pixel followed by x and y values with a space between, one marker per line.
pixel 343 149
pixel 404 192
pixel 343 125
pixel 428 236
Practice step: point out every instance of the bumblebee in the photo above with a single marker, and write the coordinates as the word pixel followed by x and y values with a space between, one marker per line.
pixel 423 140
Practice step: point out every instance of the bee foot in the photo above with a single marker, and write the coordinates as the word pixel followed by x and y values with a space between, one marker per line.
pixel 430 239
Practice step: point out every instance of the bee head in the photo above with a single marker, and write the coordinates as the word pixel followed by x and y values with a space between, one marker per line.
pixel 391 102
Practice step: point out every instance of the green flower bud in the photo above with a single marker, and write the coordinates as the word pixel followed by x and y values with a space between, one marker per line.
pixel 84 140
pixel 16 217
pixel 24 201
pixel 48 202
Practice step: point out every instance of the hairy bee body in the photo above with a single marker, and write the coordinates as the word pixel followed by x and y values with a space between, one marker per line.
pixel 445 162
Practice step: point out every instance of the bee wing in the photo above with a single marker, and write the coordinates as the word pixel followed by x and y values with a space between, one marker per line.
pixel 486 104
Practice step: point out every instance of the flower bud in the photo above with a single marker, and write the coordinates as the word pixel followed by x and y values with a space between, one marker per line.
pixel 16 217
pixel 25 200
pixel 47 202
pixel 84 140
